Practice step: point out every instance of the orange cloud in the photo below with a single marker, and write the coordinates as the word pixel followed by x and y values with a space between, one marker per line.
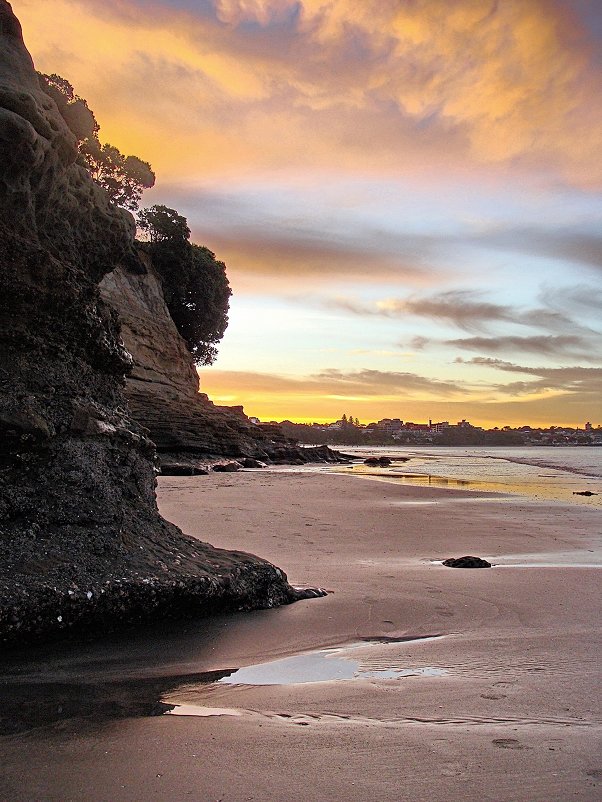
pixel 559 397
pixel 373 85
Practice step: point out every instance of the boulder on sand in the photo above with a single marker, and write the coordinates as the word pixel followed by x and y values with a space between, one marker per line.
pixel 466 562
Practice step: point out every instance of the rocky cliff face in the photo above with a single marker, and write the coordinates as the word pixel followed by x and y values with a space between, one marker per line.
pixel 163 386
pixel 81 540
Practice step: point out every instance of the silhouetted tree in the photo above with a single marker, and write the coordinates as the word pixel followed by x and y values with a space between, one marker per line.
pixel 195 285
pixel 160 223
pixel 124 178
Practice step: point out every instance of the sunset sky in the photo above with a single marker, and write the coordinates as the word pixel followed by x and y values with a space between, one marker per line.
pixel 407 193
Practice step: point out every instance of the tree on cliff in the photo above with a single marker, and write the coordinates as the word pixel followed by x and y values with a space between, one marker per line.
pixel 195 285
pixel 124 178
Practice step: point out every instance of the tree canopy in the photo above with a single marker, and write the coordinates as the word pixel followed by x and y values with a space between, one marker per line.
pixel 124 178
pixel 160 224
pixel 195 285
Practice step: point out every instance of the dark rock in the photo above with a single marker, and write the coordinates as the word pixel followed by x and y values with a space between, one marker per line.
pixel 309 593
pixel 466 562
pixel 227 467
pixel 182 469
pixel 322 454
pixel 584 493
pixel 382 461
pixel 82 545
pixel 250 462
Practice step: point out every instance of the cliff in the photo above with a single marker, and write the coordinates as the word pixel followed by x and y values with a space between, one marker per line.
pixel 163 386
pixel 82 544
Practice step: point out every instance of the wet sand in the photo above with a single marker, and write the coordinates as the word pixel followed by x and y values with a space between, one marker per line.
pixel 503 706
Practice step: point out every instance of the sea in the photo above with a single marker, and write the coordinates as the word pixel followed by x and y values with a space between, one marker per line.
pixel 556 474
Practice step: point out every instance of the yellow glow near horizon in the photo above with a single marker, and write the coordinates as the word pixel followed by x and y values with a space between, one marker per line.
pixel 543 411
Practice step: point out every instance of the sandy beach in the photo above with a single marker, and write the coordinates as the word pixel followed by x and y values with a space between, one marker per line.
pixel 501 705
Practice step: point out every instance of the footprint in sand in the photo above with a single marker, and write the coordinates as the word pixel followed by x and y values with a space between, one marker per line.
pixel 509 743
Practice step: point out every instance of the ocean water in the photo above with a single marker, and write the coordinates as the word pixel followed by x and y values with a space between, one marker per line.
pixel 536 473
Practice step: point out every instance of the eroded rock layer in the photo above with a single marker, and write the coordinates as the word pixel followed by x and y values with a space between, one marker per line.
pixel 163 386
pixel 81 540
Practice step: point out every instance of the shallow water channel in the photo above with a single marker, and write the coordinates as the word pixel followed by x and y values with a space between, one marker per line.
pixel 98 691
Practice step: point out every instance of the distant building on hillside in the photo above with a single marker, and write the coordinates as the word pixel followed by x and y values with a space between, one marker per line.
pixel 439 427
pixel 389 425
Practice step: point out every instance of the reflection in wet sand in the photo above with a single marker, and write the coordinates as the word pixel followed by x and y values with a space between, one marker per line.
pixel 532 485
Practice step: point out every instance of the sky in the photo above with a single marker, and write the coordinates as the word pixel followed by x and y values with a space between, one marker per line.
pixel 407 193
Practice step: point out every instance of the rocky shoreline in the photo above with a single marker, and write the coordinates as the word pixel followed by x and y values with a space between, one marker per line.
pixel 32 611
pixel 83 548
pixel 187 465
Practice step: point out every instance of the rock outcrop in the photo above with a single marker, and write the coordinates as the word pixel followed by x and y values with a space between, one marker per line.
pixel 82 544
pixel 468 561
pixel 163 386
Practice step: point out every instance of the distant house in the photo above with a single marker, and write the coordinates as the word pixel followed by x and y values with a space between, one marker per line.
pixel 439 427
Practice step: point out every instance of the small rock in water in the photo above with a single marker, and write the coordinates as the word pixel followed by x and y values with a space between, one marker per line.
pixel 377 461
pixel 466 562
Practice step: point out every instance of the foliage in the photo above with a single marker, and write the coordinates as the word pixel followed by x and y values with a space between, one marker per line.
pixel 160 223
pixel 124 178
pixel 195 284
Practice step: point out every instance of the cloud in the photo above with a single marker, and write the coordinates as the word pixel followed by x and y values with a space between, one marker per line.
pixel 376 382
pixel 583 381
pixel 545 345
pixel 313 255
pixel 579 247
pixel 370 86
pixel 336 383
pixel 569 396
pixel 463 308
pixel 466 309
pixel 419 343
pixel 285 230
pixel 578 299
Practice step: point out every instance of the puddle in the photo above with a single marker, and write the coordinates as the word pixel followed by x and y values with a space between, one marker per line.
pixel 366 660
pixel 326 665
pixel 27 704
pixel 371 658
